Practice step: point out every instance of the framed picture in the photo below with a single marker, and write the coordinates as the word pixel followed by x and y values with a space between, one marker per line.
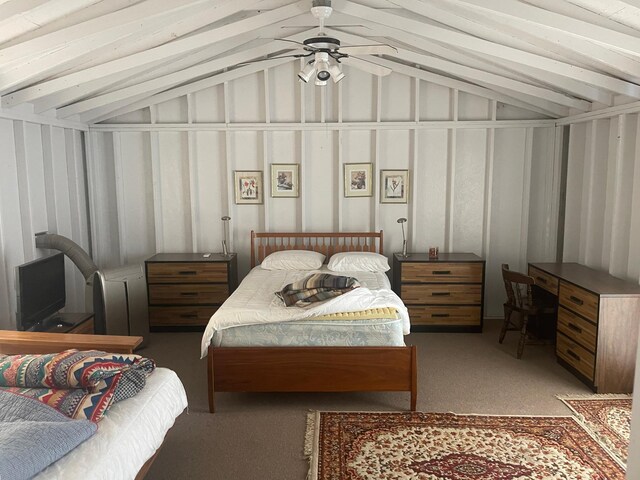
pixel 284 180
pixel 358 180
pixel 394 186
pixel 248 186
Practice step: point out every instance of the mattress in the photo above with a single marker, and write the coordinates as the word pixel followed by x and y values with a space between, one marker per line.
pixel 128 435
pixel 315 332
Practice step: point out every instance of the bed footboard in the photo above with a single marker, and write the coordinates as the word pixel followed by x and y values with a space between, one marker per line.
pixel 312 369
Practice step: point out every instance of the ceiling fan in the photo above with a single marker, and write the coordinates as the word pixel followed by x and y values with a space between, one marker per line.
pixel 327 54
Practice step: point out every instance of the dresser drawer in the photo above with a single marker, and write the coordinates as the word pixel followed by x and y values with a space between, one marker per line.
pixel 441 294
pixel 441 273
pixel 182 272
pixel 444 315
pixel 579 301
pixel 576 356
pixel 544 280
pixel 577 328
pixel 180 316
pixel 194 294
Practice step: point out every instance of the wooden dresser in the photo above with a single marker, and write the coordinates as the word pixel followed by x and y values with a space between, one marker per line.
pixel 185 289
pixel 598 319
pixel 443 294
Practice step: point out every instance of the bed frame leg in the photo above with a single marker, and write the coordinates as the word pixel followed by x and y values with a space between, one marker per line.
pixel 210 384
pixel 414 379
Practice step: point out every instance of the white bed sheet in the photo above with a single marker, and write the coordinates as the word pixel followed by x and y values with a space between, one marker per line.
pixel 254 302
pixel 128 435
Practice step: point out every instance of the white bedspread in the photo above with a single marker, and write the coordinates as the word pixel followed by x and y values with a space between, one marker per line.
pixel 254 302
pixel 128 435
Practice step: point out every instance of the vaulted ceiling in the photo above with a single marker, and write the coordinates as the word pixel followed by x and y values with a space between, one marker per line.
pixel 87 60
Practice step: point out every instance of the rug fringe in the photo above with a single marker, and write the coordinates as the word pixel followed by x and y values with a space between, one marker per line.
pixel 311 441
pixel 595 396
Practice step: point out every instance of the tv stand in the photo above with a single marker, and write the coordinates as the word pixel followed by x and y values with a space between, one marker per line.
pixel 67 323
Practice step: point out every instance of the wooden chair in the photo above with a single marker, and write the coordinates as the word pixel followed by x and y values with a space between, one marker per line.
pixel 520 300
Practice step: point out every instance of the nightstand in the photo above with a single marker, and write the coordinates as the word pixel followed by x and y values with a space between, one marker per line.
pixel 442 294
pixel 185 289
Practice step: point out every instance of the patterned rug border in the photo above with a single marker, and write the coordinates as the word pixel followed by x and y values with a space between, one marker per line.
pixel 585 424
pixel 312 434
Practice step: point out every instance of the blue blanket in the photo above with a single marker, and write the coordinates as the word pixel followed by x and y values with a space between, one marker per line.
pixel 34 435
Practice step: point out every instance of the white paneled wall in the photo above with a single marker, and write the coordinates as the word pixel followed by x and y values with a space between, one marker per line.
pixel 602 228
pixel 42 188
pixel 161 176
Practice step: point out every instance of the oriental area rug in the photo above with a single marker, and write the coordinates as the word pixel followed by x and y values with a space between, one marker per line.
pixel 608 417
pixel 444 446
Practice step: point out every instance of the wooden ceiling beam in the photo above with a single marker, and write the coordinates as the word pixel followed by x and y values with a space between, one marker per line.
pixel 471 43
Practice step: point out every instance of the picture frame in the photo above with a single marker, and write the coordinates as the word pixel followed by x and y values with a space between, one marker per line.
pixel 394 186
pixel 358 179
pixel 285 180
pixel 248 186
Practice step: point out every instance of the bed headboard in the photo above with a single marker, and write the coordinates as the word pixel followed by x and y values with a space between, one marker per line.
pixel 263 244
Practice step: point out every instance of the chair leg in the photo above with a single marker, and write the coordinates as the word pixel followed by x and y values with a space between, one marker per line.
pixel 523 335
pixel 505 325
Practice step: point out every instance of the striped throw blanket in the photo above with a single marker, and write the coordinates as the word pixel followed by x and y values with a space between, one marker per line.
pixel 316 288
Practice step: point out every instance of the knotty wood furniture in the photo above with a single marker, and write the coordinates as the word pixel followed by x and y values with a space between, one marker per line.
pixel 598 323
pixel 185 289
pixel 13 343
pixel 520 300
pixel 442 294
pixel 312 369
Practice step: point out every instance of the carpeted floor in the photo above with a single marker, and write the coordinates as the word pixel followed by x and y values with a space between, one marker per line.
pixel 260 436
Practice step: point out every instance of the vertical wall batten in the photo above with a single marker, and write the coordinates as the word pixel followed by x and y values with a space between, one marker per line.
pixel 526 195
pixel 193 177
pixel 120 198
pixel 20 149
pixel 154 148
pixel 488 185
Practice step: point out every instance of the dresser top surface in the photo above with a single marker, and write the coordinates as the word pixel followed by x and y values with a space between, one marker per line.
pixel 191 257
pixel 442 258
pixel 596 281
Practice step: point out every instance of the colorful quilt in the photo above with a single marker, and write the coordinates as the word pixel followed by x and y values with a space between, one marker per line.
pixel 316 288
pixel 81 385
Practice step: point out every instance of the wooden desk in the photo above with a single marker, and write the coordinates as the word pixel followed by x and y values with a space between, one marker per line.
pixel 13 342
pixel 598 323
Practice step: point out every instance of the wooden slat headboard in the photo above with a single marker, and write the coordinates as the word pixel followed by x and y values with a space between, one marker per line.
pixel 263 244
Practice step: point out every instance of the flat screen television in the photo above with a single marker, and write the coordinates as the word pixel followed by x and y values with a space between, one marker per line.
pixel 41 290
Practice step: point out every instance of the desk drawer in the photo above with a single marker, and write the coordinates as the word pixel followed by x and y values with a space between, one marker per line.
pixel 441 294
pixel 579 301
pixel 444 315
pixel 576 356
pixel 441 273
pixel 544 280
pixel 182 272
pixel 577 328
pixel 188 294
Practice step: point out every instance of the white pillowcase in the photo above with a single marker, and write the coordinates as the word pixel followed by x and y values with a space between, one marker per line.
pixel 358 262
pixel 293 260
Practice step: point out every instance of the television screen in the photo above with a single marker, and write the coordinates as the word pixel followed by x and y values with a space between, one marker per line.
pixel 41 290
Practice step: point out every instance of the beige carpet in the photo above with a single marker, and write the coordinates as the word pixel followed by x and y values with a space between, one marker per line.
pixel 260 436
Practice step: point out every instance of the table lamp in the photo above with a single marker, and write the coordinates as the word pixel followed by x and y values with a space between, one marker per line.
pixel 225 238
pixel 402 221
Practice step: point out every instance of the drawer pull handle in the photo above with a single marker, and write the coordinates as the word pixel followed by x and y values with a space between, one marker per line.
pixel 442 272
pixel 187 272
pixel 440 294
pixel 574 355
pixel 189 315
pixel 576 300
pixel 542 280
pixel 439 315
pixel 188 294
pixel 575 328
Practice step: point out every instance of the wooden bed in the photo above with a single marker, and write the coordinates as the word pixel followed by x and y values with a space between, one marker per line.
pixel 312 369
pixel 15 343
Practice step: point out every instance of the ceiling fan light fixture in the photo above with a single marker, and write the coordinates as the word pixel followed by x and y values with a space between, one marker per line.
pixel 307 72
pixel 320 83
pixel 336 73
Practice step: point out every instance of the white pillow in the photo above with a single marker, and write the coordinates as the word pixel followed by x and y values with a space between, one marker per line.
pixel 358 262
pixel 293 260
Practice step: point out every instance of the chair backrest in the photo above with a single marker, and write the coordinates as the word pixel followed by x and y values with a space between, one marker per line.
pixel 517 286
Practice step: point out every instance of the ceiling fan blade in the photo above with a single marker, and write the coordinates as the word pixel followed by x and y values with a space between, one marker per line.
pixel 368 49
pixel 307 47
pixel 366 65
pixel 249 62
